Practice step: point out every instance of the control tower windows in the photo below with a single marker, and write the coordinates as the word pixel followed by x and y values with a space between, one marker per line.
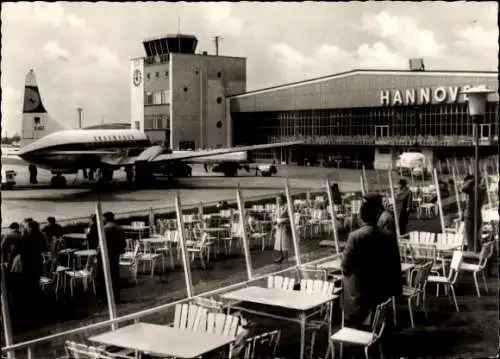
pixel 148 98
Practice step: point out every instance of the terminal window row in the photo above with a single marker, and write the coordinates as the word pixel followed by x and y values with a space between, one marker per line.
pixel 157 97
pixel 157 75
pixel 156 122
pixel 432 120
pixel 113 138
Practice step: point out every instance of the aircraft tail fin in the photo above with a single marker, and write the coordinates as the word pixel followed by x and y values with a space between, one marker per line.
pixel 36 122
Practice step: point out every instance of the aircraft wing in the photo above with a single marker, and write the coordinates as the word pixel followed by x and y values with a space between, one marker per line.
pixel 219 151
pixel 81 152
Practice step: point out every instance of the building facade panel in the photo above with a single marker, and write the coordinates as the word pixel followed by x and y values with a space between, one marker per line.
pixel 355 90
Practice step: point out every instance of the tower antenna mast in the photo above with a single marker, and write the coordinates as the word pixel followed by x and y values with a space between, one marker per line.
pixel 217 39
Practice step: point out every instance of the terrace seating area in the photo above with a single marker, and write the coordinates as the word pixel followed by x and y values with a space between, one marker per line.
pixel 299 306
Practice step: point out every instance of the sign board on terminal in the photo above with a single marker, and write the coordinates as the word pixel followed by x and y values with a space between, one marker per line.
pixel 421 96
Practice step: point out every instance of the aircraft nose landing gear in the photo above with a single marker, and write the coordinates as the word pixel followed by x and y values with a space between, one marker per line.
pixel 58 181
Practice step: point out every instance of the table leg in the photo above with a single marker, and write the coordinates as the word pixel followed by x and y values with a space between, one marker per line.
pixel 302 334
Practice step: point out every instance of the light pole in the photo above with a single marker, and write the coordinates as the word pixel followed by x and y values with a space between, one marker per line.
pixel 79 109
pixel 476 99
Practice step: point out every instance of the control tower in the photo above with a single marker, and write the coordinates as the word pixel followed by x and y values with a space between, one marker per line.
pixel 163 45
pixel 178 95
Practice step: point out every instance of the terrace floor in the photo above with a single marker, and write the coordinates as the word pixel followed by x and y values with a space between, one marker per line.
pixel 471 333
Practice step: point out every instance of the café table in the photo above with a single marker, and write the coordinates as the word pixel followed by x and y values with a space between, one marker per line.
pixel 139 230
pixel 163 341
pixel 301 302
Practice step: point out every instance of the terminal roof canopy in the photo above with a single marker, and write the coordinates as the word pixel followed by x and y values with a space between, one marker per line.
pixel 179 43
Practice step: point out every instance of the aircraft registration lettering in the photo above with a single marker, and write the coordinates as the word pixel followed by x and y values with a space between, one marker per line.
pixel 39 128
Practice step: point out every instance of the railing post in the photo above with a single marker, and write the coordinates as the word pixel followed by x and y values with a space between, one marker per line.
pixel 457 194
pixel 291 215
pixel 394 207
pixel 105 265
pixel 31 353
pixel 486 179
pixel 182 243
pixel 333 216
pixel 246 245
pixel 7 328
pixel 440 203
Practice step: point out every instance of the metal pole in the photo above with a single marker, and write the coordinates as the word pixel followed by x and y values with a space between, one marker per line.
pixel 291 215
pixel 457 194
pixel 7 329
pixel 333 216
pixel 363 172
pixel 246 245
pixel 105 265
pixel 362 182
pixel 440 204
pixel 152 227
pixel 456 166
pixel 79 109
pixel 396 219
pixel 490 203
pixel 476 182
pixel 182 242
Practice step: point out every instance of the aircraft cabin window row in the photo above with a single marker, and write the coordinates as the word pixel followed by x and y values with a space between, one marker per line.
pixel 113 138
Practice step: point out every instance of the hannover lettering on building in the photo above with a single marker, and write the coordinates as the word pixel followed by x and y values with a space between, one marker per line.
pixel 421 96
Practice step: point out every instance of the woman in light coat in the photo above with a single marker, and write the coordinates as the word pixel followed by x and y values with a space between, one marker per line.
pixel 283 232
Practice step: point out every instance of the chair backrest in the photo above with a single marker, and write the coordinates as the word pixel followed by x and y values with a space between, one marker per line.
pixel 222 324
pixel 486 253
pixel 82 351
pixel 262 346
pixel 456 261
pixel 379 318
pixel 190 317
pixel 209 303
pixel 423 251
pixel 420 274
pixel 316 286
pixel 280 282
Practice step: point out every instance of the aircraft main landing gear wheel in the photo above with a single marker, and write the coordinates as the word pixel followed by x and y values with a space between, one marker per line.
pixel 58 181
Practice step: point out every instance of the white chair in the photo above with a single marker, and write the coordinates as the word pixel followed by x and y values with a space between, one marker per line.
pixel 86 276
pixel 451 279
pixel 262 345
pixel 361 337
pixel 129 264
pixel 475 269
pixel 200 246
pixel 150 256
pixel 416 287
pixel 279 282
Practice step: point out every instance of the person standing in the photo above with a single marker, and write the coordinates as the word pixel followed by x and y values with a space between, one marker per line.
pixel 404 203
pixel 116 244
pixel 283 232
pixel 33 174
pixel 469 215
pixel 337 196
pixel 92 233
pixel 366 266
pixel 52 231
pixel 9 245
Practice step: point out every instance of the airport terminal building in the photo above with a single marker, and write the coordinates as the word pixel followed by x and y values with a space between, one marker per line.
pixel 367 116
pixel 196 100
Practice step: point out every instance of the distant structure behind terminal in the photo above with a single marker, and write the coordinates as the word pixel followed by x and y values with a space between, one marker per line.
pixel 195 100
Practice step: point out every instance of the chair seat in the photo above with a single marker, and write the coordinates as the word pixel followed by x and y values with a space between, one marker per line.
pixel 355 336
pixel 437 279
pixel 61 269
pixel 469 267
pixel 408 291
pixel 149 256
pixel 78 274
pixel 45 280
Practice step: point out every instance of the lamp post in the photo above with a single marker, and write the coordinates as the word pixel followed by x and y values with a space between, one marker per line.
pixel 476 99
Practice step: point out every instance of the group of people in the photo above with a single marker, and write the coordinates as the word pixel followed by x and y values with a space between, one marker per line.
pixel 22 264
pixel 27 253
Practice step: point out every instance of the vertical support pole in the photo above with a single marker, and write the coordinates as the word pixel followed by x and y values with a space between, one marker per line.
pixel 456 166
pixel 362 183
pixel 7 328
pixel 246 245
pixel 396 219
pixel 490 203
pixel 105 265
pixel 363 172
pixel 440 203
pixel 152 225
pixel 182 242
pixel 333 216
pixel 291 215
pixel 457 194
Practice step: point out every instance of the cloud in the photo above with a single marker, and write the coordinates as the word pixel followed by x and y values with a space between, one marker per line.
pixel 404 34
pixel 105 56
pixel 328 59
pixel 476 36
pixel 54 14
pixel 220 20
pixel 54 50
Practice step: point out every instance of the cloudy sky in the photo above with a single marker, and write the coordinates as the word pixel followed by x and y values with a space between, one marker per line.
pixel 81 51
